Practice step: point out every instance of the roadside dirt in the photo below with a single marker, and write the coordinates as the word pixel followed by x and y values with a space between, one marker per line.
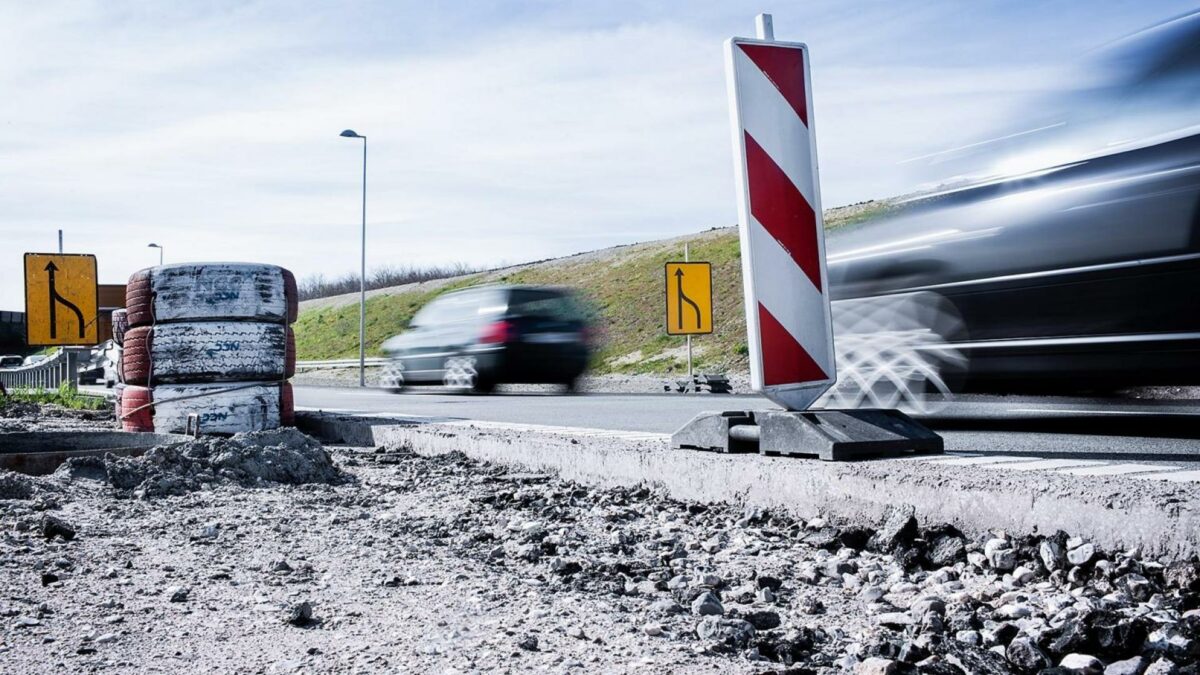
pixel 384 560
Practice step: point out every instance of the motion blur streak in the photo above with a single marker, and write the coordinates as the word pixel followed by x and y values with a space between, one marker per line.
pixel 1067 246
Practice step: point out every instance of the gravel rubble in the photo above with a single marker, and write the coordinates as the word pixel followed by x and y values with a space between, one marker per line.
pixel 270 553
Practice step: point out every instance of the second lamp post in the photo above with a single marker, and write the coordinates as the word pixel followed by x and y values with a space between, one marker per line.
pixel 362 280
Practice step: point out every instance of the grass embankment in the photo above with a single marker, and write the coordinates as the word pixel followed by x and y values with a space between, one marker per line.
pixel 64 396
pixel 625 284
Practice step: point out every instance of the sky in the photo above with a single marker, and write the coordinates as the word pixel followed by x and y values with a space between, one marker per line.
pixel 498 132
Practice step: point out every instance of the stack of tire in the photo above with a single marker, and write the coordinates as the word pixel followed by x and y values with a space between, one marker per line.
pixel 212 342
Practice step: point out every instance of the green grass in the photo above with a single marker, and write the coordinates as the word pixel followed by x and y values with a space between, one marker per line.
pixel 625 286
pixel 64 396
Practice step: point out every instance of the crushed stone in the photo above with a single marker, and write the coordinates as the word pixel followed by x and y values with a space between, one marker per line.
pixel 281 456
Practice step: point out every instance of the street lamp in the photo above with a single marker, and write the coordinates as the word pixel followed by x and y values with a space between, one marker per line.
pixel 362 279
pixel 160 252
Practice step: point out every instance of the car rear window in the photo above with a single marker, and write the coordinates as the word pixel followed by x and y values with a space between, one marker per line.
pixel 544 303
pixel 459 307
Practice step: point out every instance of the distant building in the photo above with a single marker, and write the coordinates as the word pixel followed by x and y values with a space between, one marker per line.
pixel 12 333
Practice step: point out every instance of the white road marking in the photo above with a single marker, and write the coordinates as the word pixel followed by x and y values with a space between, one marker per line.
pixel 1176 476
pixel 1049 464
pixel 1117 469
pixel 1102 413
pixel 985 460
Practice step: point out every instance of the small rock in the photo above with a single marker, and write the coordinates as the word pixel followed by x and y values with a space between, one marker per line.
pixel 1081 664
pixel 653 629
pixel 1023 575
pixel 870 593
pixel 178 593
pixel 1081 555
pixel 107 638
pixel 49 578
pixel 732 632
pixel 1014 611
pixel 877 666
pixel 300 614
pixel 53 526
pixel 529 643
pixel 763 620
pixel 1135 666
pixel 764 581
pixel 1024 653
pixel 281 566
pixel 898 620
pixel 947 550
pixel 922 606
pixel 707 604
pixel 899 527
pixel 665 607
pixel 1161 667
pixel 1052 554
pixel 969 637
pixel 1184 575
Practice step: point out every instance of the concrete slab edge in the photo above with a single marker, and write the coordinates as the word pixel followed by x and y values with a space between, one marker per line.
pixel 1116 512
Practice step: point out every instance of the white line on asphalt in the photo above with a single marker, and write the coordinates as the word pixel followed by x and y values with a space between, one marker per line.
pixel 1048 464
pixel 1102 413
pixel 1117 469
pixel 1177 476
pixel 990 459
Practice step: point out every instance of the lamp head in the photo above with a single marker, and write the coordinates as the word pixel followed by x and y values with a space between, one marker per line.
pixel 350 133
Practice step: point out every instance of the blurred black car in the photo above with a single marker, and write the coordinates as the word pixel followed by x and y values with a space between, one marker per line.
pixel 10 361
pixel 477 338
pixel 1070 257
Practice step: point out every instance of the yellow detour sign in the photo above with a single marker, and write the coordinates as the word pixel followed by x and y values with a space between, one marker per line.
pixel 689 298
pixel 60 299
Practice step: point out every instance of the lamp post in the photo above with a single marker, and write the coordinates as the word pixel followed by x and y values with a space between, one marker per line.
pixel 160 252
pixel 362 279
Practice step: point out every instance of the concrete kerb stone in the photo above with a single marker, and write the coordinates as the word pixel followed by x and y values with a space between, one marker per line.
pixel 1115 512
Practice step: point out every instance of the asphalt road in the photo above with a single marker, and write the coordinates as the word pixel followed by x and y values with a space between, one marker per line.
pixel 1044 427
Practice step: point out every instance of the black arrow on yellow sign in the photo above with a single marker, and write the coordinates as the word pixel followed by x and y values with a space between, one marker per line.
pixel 51 268
pixel 684 298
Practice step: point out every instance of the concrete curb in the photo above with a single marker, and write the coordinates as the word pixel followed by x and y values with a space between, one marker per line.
pixel 1116 512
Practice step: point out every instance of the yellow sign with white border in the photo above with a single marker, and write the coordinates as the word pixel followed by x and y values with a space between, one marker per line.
pixel 689 298
pixel 61 300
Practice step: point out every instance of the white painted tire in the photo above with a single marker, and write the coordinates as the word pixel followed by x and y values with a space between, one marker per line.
pixel 215 351
pixel 211 292
pixel 224 408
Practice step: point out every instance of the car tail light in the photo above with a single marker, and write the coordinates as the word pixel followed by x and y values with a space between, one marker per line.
pixel 497 333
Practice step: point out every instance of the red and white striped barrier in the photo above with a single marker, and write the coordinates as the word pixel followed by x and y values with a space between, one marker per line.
pixel 782 230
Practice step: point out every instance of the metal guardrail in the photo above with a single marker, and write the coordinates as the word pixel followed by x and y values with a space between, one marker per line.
pixel 340 363
pixel 63 366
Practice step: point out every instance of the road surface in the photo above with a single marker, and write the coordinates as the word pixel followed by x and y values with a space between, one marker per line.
pixel 1101 428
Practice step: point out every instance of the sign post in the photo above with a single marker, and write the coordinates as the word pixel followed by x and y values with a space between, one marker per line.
pixel 61 300
pixel 788 317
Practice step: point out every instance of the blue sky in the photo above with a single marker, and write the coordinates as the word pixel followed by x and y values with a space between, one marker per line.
pixel 499 131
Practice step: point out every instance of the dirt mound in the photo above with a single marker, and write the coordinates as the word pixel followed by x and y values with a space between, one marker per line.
pixel 16 486
pixel 282 456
